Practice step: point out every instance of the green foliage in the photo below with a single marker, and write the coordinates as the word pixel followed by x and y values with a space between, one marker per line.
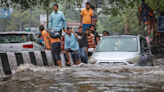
pixel 100 27
pixel 156 4
pixel 117 23
pixel 14 24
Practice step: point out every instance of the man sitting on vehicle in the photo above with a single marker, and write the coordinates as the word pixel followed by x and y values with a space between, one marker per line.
pixel 71 45
pixel 54 42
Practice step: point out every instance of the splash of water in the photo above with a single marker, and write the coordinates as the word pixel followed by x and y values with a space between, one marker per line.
pixel 83 67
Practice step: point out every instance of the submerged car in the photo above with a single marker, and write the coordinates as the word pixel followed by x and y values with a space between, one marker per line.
pixel 19 41
pixel 122 50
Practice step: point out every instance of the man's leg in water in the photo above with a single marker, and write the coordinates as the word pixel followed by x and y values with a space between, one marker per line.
pixel 76 57
pixel 56 52
pixel 68 56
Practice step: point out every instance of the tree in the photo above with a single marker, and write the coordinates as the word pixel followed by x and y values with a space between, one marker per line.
pixel 117 23
pixel 14 24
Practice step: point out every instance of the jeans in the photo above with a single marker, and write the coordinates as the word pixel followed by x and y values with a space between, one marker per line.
pixel 85 26
pixel 83 54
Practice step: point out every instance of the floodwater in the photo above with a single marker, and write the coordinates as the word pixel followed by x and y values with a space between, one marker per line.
pixel 86 78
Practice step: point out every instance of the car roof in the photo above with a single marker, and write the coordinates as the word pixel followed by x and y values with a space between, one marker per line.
pixel 17 32
pixel 121 36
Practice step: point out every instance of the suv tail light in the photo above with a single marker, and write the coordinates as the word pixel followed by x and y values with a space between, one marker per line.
pixel 28 46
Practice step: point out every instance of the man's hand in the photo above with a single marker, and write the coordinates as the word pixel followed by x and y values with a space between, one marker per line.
pixel 65 30
pixel 48 49
pixel 86 50
pixel 81 25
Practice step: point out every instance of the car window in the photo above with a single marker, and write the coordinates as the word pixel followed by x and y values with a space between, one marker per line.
pixel 13 38
pixel 118 44
pixel 34 38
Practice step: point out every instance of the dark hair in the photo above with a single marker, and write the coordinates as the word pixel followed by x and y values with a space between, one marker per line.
pixel 92 26
pixel 107 33
pixel 69 28
pixel 41 28
pixel 92 6
pixel 88 3
pixel 80 27
pixel 56 5
pixel 87 28
pixel 104 31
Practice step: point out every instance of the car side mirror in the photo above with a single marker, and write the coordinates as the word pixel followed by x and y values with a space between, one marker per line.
pixel 91 50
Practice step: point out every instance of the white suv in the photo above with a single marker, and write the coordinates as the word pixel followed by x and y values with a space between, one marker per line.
pixel 19 41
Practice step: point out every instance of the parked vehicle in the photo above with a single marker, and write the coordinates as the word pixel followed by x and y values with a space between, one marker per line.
pixel 122 50
pixel 19 41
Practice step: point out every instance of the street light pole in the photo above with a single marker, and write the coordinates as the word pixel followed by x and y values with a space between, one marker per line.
pixel 1 16
pixel 20 18
pixel 1 24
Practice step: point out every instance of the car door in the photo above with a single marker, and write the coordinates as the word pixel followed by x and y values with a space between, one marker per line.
pixel 146 53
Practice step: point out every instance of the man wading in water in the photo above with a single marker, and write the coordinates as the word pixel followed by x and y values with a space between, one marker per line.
pixel 52 44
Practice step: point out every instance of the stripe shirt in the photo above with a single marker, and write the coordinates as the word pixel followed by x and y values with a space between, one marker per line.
pixel 57 20
pixel 91 40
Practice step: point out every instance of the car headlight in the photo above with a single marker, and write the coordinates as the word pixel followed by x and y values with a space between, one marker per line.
pixel 134 60
pixel 92 60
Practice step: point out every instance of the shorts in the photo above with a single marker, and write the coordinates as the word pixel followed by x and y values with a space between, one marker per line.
pixel 75 53
pixel 56 49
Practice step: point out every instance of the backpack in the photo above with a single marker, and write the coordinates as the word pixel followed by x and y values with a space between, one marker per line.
pixel 53 33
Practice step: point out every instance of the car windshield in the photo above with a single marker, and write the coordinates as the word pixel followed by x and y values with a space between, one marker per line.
pixel 13 38
pixel 127 44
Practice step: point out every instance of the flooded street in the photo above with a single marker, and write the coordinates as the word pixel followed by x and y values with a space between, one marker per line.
pixel 86 78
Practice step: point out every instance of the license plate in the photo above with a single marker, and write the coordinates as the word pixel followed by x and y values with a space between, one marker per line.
pixel 112 63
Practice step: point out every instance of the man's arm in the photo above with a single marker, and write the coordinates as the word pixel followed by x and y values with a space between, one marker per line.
pixel 97 40
pixel 75 34
pixel 81 20
pixel 92 20
pixel 44 34
pixel 65 22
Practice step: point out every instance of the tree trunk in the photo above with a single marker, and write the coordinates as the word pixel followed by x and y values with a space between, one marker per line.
pixel 126 28
pixel 47 20
pixel 30 16
pixel 20 28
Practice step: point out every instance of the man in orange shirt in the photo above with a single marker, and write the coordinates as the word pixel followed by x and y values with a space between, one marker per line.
pixel 86 16
pixel 52 44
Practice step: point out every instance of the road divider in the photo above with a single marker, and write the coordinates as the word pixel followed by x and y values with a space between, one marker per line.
pixel 9 61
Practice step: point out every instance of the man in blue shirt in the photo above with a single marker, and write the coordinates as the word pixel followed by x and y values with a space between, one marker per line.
pixel 71 45
pixel 57 20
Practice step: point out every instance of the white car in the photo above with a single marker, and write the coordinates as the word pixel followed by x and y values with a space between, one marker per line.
pixel 19 41
pixel 122 50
